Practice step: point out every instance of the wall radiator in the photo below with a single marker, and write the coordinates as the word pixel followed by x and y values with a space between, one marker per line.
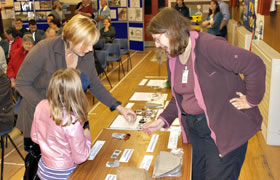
pixel 270 105
pixel 232 33
pixel 243 37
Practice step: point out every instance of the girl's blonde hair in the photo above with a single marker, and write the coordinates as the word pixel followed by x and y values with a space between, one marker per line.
pixel 80 29
pixel 66 97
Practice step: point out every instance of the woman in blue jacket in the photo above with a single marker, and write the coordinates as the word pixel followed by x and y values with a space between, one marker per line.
pixel 213 19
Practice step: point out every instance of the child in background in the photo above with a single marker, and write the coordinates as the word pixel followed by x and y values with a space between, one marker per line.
pixel 57 126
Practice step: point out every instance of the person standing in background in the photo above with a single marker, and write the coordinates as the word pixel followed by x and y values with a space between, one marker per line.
pixel 225 12
pixel 182 8
pixel 57 11
pixel 214 19
pixel 85 9
pixel 103 12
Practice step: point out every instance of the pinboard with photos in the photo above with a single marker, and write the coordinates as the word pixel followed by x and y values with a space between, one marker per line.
pixel 127 17
pixel 36 9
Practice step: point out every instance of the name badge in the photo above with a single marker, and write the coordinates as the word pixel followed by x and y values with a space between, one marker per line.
pixel 185 76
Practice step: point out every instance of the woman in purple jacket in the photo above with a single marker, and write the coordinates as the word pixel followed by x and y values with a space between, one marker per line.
pixel 218 110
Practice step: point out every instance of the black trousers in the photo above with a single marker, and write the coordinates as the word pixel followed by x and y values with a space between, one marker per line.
pixel 31 160
pixel 206 162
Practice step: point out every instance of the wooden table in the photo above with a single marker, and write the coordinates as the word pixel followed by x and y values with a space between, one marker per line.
pixel 96 169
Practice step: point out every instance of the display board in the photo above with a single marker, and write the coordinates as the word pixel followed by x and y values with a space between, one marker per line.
pixel 127 17
pixel 36 9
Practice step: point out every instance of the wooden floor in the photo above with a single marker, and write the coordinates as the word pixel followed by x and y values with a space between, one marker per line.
pixel 261 163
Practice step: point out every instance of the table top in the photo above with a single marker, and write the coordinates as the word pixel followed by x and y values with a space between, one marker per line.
pixel 139 141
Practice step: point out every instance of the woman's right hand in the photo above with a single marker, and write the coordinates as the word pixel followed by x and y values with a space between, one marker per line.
pixel 153 126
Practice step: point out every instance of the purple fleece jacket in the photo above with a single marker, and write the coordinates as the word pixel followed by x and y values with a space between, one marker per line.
pixel 217 66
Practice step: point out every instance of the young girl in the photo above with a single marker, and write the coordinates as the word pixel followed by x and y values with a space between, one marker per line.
pixel 58 126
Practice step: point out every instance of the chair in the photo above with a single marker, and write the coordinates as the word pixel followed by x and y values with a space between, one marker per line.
pixel 99 45
pixel 3 135
pixel 123 43
pixel 100 56
pixel 114 55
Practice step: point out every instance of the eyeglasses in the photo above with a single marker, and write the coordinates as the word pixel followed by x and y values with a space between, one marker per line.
pixel 158 38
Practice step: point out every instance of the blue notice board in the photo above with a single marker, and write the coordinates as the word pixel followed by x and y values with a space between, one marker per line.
pixel 128 19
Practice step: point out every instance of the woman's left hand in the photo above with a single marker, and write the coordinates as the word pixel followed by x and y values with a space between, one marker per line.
pixel 128 114
pixel 241 102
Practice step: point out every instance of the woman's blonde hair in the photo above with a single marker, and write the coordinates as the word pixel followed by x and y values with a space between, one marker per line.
pixel 66 97
pixel 175 26
pixel 80 29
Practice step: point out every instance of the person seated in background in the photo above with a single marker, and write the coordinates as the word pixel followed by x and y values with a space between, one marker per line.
pixel 107 32
pixel 182 8
pixel 37 34
pixel 57 11
pixel 14 41
pixel 3 62
pixel 103 12
pixel 50 33
pixel 55 24
pixel 19 27
pixel 4 44
pixel 17 57
pixel 85 9
pixel 214 19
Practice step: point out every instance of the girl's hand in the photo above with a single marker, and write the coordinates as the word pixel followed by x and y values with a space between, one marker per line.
pixel 87 132
pixel 153 126
pixel 241 102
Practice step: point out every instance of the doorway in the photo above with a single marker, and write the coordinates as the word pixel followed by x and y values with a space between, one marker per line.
pixel 151 8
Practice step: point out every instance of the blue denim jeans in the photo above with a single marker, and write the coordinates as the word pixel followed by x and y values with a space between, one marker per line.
pixel 206 162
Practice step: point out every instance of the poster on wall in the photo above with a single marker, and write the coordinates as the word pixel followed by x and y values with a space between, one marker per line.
pixel 135 14
pixel 122 14
pixel 135 34
pixel 135 3
pixel 249 15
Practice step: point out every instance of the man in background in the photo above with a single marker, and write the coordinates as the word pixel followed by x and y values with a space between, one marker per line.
pixel 103 12
pixel 19 28
pixel 225 12
pixel 37 34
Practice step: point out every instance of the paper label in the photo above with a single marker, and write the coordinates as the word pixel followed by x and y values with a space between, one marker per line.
pixel 95 149
pixel 111 177
pixel 152 143
pixel 173 139
pixel 126 155
pixel 146 162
